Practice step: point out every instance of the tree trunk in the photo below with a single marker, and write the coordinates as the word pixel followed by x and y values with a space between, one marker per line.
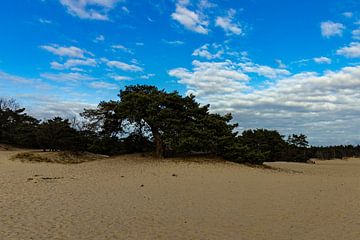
pixel 159 149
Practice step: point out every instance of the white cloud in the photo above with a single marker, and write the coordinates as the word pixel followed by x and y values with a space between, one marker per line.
pixel 189 19
pixel 71 63
pixel 134 61
pixel 280 63
pixel 46 107
pixel 218 51
pixel 103 85
pixel 120 78
pixel 122 48
pixel 99 38
pixel 122 66
pixel 7 79
pixel 204 51
pixel 356 34
pixel 76 69
pixel 147 76
pixel 228 25
pixel 211 77
pixel 44 21
pixel 125 9
pixel 67 77
pixel 323 106
pixel 71 51
pixel 90 9
pixel 266 71
pixel 183 2
pixel 321 60
pixel 351 51
pixel 348 14
pixel 330 29
pixel 205 4
pixel 175 42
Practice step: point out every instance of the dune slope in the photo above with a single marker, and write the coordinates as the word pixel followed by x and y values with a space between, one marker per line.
pixel 131 197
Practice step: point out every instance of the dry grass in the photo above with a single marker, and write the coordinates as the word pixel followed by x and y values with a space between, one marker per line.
pixel 7 147
pixel 57 157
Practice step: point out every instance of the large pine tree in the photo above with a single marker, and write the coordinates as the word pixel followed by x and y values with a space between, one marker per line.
pixel 175 123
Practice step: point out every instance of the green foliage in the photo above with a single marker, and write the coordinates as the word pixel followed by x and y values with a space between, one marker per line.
pixel 332 152
pixel 56 134
pixel 240 153
pixel 260 145
pixel 298 140
pixel 105 145
pixel 16 127
pixel 268 143
pixel 173 122
pixel 136 143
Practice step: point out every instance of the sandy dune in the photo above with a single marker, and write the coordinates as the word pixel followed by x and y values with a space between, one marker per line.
pixel 135 198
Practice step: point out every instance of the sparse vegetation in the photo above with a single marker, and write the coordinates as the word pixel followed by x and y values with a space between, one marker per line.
pixel 57 157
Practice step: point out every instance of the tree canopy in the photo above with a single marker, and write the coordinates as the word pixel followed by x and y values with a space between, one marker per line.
pixel 173 122
pixel 15 125
pixel 56 134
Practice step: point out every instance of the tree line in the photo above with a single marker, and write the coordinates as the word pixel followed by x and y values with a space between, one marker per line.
pixel 146 119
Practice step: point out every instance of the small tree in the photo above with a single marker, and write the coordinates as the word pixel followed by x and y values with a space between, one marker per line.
pixel 240 153
pixel 16 127
pixel 267 142
pixel 56 134
pixel 298 140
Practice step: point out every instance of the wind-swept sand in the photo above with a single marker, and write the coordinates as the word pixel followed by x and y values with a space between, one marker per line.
pixel 136 198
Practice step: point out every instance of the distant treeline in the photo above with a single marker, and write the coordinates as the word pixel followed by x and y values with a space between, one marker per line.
pixel 146 119
pixel 332 152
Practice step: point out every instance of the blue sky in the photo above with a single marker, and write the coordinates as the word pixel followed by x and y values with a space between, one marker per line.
pixel 286 65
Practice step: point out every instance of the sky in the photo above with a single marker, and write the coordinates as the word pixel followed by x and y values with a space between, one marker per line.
pixel 292 66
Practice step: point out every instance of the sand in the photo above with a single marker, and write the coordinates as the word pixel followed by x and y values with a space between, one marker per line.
pixel 131 197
